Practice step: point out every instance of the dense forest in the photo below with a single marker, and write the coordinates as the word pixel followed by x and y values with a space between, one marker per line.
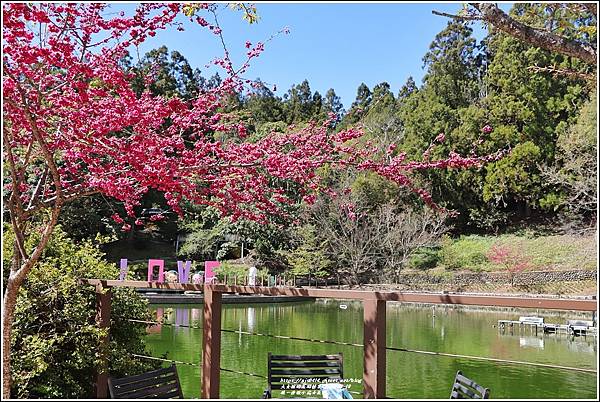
pixel 477 97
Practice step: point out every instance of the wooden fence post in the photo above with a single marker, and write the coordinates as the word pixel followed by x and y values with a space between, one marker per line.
pixel 211 344
pixel 103 301
pixel 374 348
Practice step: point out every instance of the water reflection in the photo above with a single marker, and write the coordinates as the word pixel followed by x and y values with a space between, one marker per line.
pixel 531 342
pixel 251 318
pixel 182 317
pixel 196 315
pixel 582 347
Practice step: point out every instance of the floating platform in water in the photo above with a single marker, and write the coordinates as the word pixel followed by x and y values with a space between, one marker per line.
pixel 572 327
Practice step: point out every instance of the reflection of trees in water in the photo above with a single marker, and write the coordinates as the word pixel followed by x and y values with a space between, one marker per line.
pixel 182 317
pixel 582 344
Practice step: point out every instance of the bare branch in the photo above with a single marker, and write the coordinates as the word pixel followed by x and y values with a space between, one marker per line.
pixel 470 17
pixel 491 14
pixel 564 72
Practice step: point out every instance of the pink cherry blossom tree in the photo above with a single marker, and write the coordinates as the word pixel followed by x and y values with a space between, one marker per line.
pixel 74 126
pixel 513 260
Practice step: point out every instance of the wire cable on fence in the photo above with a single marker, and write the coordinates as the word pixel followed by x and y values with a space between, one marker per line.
pixel 193 364
pixel 244 373
pixel 491 359
pixel 165 360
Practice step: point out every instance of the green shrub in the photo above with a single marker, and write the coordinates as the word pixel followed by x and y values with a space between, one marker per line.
pixel 55 340
pixel 468 252
pixel 239 271
pixel 424 258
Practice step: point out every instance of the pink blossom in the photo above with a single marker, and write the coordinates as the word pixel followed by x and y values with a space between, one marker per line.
pixel 117 218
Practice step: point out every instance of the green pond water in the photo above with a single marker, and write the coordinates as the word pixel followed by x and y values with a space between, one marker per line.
pixel 409 375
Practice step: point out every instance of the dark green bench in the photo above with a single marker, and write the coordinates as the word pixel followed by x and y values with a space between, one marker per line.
pixel 156 384
pixel 287 372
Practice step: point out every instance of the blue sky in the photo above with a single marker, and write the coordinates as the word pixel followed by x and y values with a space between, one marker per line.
pixel 333 45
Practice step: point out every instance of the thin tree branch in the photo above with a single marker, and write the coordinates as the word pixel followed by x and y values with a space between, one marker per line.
pixel 470 17
pixel 491 14
pixel 565 72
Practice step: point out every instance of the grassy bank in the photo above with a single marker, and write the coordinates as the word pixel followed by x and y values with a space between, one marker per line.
pixel 500 253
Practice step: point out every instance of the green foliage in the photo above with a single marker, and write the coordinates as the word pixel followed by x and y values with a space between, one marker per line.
pixel 453 65
pixel 468 252
pixel 359 107
pixel 574 173
pixel 212 238
pixel 309 258
pixel 301 105
pixel 250 13
pixel 86 217
pixel 55 339
pixel 516 175
pixel 374 190
pixel 229 271
pixel 424 258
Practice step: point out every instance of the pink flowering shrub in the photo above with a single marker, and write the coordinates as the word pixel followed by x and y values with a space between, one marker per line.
pixel 512 260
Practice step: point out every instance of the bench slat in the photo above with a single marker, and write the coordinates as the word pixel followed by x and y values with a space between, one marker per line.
pixel 470 383
pixel 157 384
pixel 465 388
pixel 302 372
pixel 157 392
pixel 296 372
pixel 305 357
pixel 465 391
pixel 304 364
pixel 143 376
pixel 126 387
pixel 170 395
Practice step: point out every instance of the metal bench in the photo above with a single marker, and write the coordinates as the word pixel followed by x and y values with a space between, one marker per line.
pixel 465 388
pixel 531 320
pixel 579 327
pixel 157 384
pixel 287 373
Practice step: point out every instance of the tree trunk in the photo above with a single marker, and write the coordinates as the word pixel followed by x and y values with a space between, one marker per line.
pixel 8 308
pixel 13 284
